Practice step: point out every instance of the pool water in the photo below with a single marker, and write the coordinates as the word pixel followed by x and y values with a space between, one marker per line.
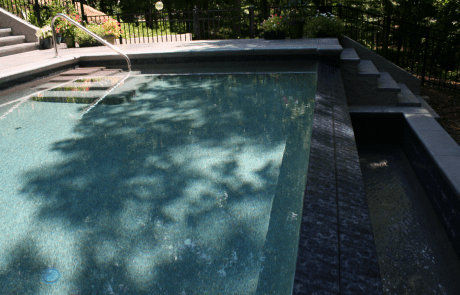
pixel 192 185
pixel 415 255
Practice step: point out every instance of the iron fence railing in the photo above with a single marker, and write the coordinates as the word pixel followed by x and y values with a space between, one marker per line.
pixel 34 11
pixel 430 54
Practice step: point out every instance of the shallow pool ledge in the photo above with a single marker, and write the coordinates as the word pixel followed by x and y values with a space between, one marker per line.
pixel 24 67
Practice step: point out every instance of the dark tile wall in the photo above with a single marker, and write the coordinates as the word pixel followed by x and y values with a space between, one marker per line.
pixel 443 198
pixel 336 249
pixel 371 128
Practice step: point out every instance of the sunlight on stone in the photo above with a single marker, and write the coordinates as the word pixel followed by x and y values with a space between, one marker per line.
pixel 142 265
pixel 134 216
pixel 201 159
pixel 253 159
pixel 251 213
pixel 202 193
pixel 105 252
pixel 213 231
pixel 176 210
pixel 157 161
pixel 196 117
pixel 147 187
pixel 15 222
pixel 59 248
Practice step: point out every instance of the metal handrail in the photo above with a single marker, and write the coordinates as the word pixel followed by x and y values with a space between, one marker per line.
pixel 86 31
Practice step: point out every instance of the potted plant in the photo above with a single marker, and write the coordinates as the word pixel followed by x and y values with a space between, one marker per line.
pixel 111 29
pixel 294 14
pixel 85 40
pixel 46 37
pixel 274 28
pixel 68 30
pixel 324 25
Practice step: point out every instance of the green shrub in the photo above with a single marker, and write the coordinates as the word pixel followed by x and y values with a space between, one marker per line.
pixel 325 23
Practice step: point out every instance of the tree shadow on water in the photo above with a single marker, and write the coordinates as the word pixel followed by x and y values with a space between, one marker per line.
pixel 168 193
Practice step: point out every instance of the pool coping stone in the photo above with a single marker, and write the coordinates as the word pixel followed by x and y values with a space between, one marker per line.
pixel 33 62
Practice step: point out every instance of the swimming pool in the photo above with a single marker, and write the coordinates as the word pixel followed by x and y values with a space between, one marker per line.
pixel 192 185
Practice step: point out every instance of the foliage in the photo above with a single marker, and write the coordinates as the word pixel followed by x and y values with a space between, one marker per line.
pixel 67 28
pixel 294 10
pixel 325 23
pixel 273 24
pixel 44 32
pixel 111 27
pixel 49 11
pixel 82 37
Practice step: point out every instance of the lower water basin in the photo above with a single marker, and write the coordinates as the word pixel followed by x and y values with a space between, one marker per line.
pixel 415 254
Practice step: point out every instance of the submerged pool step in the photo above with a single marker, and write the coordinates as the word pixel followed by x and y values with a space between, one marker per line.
pixel 82 71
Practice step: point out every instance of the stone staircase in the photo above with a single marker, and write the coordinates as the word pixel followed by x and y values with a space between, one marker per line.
pixel 83 85
pixel 366 86
pixel 10 45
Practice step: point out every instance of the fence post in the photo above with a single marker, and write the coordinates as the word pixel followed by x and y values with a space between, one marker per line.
pixel 83 17
pixel 427 36
pixel 118 20
pixel 37 13
pixel 196 23
pixel 340 10
pixel 251 21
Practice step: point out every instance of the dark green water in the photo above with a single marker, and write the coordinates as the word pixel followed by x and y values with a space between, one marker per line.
pixel 176 191
pixel 415 254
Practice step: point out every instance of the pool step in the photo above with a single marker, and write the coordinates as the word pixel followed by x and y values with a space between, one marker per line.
pixel 424 103
pixel 82 71
pixel 365 85
pixel 366 68
pixel 10 45
pixel 406 97
pixel 387 84
pixel 85 86
pixel 5 32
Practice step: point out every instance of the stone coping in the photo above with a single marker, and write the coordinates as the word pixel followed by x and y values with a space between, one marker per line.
pixel 18 66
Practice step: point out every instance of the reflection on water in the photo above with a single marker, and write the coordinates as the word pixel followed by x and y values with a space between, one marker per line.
pixel 169 192
pixel 415 255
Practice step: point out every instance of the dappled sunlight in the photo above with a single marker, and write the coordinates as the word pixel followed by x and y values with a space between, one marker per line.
pixel 134 216
pixel 15 221
pixel 168 192
pixel 59 247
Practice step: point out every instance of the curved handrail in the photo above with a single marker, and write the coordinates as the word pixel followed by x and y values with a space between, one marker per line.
pixel 86 31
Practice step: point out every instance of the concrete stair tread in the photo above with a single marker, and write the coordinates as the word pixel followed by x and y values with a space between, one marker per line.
pixel 366 68
pixel 406 97
pixel 349 55
pixel 5 32
pixel 427 107
pixel 387 84
pixel 17 48
pixel 11 40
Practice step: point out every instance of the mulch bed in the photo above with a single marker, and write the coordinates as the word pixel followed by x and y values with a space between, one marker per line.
pixel 447 105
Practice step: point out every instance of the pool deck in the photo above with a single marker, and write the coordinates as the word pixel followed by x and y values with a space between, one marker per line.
pixel 336 254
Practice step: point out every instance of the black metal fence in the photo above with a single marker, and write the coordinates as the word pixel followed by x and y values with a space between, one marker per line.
pixel 35 11
pixel 430 54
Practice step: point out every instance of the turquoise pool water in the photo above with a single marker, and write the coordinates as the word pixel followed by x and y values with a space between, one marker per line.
pixel 193 185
